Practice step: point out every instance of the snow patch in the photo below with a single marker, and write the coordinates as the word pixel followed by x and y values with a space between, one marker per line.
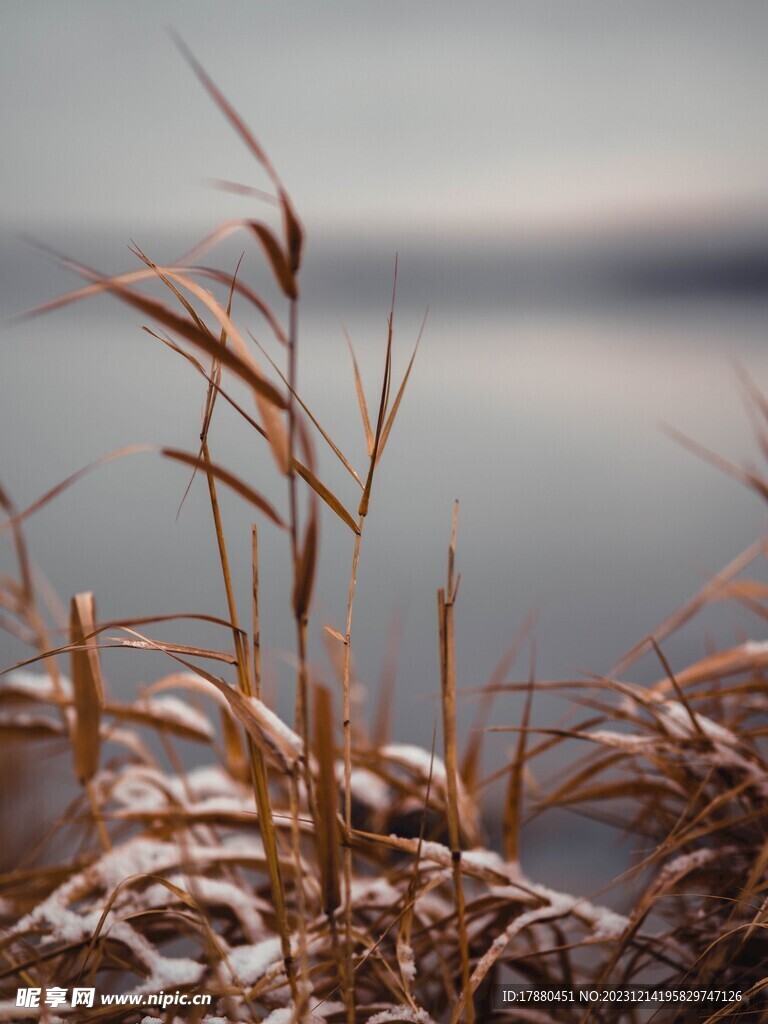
pixel 36 685
pixel 417 758
pixel 374 892
pixel 249 963
pixel 622 741
pixel 171 709
pixel 401 1013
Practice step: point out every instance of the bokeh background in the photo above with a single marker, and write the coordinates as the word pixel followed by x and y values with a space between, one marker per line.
pixel 579 193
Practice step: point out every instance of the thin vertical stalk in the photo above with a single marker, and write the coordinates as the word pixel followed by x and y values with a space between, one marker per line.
pixel 349 992
pixel 242 664
pixel 445 604
pixel 98 817
pixel 256 638
pixel 257 765
pixel 302 711
pixel 302 702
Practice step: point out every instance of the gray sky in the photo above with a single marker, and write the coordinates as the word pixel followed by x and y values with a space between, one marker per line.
pixel 386 114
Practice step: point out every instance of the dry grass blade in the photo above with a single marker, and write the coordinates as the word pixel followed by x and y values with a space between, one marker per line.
pixel 20 546
pixel 87 687
pixel 238 189
pixel 279 744
pixel 401 390
pixel 445 604
pixel 269 409
pixel 234 756
pixel 327 801
pixel 323 433
pixel 383 401
pixel 134 248
pixel 229 112
pixel 231 481
pixel 293 232
pixel 131 277
pixel 159 718
pixel 360 394
pixel 214 379
pixel 299 467
pixel 696 725
pixel 744 476
pixel 327 495
pixel 305 570
pixel 256 632
pixel 712 589
pixel 241 363
pixel 513 808
pixel 185 649
pixel 277 260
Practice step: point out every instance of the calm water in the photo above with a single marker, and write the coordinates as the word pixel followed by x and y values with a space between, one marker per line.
pixel 536 400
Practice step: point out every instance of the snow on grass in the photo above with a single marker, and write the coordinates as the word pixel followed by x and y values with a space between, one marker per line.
pixel 401 1013
pixel 35 685
pixel 367 788
pixel 629 742
pixel 374 892
pixel 251 962
pixel 406 961
pixel 172 709
pixel 678 723
pixel 416 759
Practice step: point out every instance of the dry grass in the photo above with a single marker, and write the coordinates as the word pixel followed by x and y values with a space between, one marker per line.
pixel 275 875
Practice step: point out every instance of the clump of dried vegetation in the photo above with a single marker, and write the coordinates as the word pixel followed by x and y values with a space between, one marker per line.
pixel 272 875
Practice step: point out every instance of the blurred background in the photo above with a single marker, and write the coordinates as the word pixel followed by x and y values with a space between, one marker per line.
pixel 579 194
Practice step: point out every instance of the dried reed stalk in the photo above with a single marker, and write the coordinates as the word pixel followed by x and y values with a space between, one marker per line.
pixel 446 599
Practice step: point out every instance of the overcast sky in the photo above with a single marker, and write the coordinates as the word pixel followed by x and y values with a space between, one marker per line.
pixel 386 113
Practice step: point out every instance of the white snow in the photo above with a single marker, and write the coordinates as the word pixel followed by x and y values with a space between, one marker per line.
pixel 374 892
pixel 325 1009
pixel 170 973
pixel 755 648
pixel 284 741
pixel 172 709
pixel 401 1013
pixel 136 857
pixel 417 758
pixel 367 788
pixel 630 742
pixel 24 720
pixel 139 789
pixel 725 746
pixel 211 780
pixel 688 862
pixel 36 685
pixel 678 723
pixel 285 1015
pixel 606 924
pixel 406 960
pixel 251 962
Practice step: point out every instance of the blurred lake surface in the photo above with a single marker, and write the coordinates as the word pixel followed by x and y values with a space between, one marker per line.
pixel 546 368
